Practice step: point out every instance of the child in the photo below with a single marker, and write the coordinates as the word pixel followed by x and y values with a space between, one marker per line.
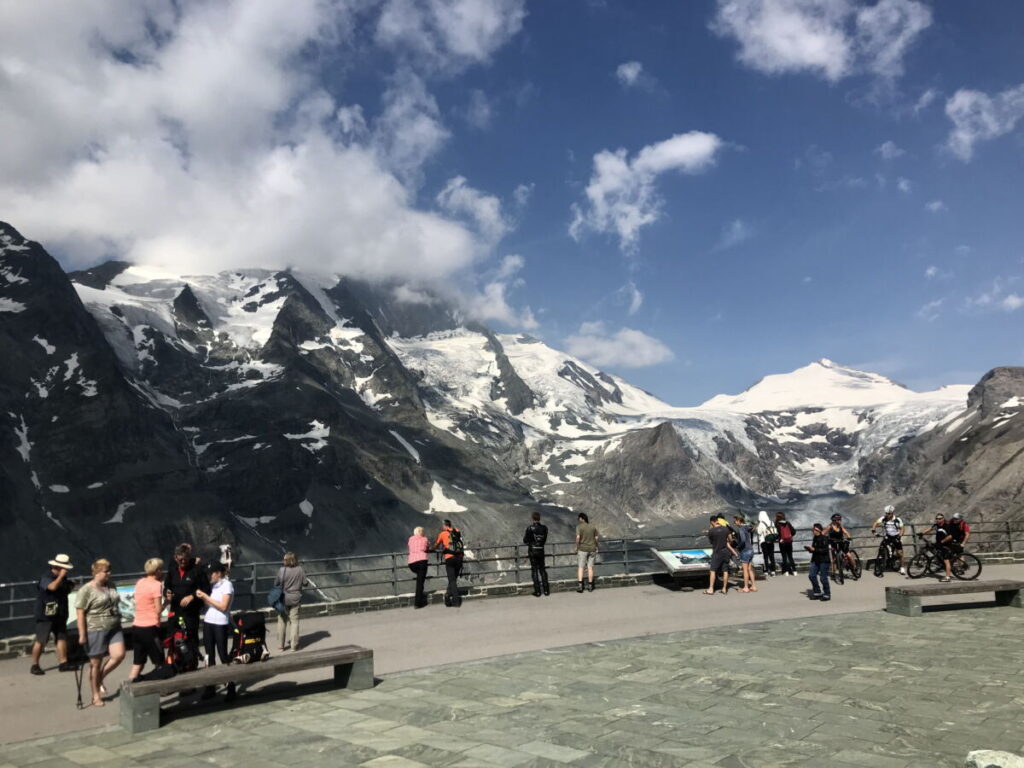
pixel 819 564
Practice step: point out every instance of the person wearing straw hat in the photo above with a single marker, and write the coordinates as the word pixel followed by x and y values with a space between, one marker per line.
pixel 51 613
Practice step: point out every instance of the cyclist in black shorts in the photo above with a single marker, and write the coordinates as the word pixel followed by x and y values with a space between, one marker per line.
pixel 839 539
pixel 892 530
pixel 945 544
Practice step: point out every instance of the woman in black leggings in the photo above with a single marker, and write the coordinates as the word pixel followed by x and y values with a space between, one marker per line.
pixel 217 623
pixel 783 526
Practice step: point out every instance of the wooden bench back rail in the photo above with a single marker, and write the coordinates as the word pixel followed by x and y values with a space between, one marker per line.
pixel 906 600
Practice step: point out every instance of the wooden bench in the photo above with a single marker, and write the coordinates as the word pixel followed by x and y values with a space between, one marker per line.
pixel 140 702
pixel 906 600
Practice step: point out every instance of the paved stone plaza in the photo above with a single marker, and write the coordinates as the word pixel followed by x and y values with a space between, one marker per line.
pixel 864 689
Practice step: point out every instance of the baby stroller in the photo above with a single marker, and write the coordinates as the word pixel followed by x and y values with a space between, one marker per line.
pixel 250 638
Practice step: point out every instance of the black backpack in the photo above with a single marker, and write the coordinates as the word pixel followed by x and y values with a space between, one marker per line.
pixel 455 545
pixel 250 638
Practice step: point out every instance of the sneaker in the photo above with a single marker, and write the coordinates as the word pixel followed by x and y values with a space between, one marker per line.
pixel 945 579
pixel 903 571
pixel 35 669
pixel 816 596
pixel 590 587
pixel 825 598
pixel 65 666
pixel 536 593
pixel 579 586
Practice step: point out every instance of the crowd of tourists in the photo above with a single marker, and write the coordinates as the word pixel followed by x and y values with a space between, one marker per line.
pixel 195 598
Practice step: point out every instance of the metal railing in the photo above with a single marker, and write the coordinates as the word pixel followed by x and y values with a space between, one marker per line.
pixel 360 576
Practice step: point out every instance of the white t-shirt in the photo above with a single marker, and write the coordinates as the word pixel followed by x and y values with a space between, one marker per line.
pixel 213 616
pixel 891 527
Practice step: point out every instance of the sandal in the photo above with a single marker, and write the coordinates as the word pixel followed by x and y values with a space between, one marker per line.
pixel 709 591
pixel 744 590
pixel 99 703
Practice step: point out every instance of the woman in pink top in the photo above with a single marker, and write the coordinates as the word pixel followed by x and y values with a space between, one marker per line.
pixel 149 603
pixel 419 546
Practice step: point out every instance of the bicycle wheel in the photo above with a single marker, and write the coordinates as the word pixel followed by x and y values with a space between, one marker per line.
pixel 840 576
pixel 966 566
pixel 881 560
pixel 856 568
pixel 920 565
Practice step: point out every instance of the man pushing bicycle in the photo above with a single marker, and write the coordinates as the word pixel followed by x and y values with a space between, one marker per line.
pixel 892 533
pixel 945 544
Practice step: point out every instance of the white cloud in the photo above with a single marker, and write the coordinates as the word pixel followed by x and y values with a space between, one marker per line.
pixel 479 112
pixel 1011 302
pixel 976 116
pixel 889 151
pixel 521 194
pixel 935 206
pixel 625 348
pixel 925 100
pixel 195 136
pixel 491 303
pixel 904 185
pixel 628 73
pixel 930 311
pixel 931 271
pixel 629 292
pixel 510 266
pixel 735 232
pixel 830 38
pixel 621 198
pixel 449 34
pixel 484 211
pixel 998 297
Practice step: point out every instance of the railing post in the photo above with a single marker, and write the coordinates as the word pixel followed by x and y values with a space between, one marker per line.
pixel 394 575
pixel 516 556
pixel 252 587
pixel 1009 537
pixel 625 556
pixel 913 536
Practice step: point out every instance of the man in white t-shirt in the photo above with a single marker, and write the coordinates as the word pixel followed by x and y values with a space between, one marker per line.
pixel 892 530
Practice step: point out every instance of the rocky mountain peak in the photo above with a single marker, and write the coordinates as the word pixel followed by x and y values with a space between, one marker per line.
pixel 997 388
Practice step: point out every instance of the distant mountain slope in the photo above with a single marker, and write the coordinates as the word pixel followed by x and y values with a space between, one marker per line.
pixel 278 410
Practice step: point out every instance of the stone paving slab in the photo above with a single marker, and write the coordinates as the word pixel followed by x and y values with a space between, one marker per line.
pixel 868 689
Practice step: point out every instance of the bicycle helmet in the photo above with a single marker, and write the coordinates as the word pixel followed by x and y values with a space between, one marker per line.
pixel 836 517
pixel 957 516
pixel 889 509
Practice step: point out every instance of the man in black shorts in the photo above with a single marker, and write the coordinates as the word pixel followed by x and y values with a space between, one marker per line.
pixel 721 553
pixel 52 613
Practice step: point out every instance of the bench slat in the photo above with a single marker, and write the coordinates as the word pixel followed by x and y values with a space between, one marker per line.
pixel 245 673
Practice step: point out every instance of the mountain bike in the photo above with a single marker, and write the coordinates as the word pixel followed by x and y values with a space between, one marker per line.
pixel 888 558
pixel 928 562
pixel 841 565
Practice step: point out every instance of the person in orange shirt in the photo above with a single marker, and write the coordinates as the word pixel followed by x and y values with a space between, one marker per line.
pixel 149 603
pixel 449 541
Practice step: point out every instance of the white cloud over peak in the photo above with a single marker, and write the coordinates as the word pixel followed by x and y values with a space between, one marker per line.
pixel 735 232
pixel 935 206
pixel 449 34
pixel 904 185
pixel 196 136
pixel 977 116
pixel 482 210
pixel 491 302
pixel 625 348
pixel 621 197
pixel 889 151
pixel 830 38
pixel 628 73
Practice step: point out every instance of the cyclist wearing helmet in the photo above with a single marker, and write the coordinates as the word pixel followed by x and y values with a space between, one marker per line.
pixel 959 529
pixel 943 540
pixel 839 539
pixel 892 529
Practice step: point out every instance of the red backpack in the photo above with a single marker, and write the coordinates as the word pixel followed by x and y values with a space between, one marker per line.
pixel 785 532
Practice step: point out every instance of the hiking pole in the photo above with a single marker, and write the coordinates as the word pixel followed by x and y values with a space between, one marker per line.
pixel 79 672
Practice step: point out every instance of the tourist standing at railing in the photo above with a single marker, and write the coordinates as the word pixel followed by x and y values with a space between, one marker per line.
pixel 99 627
pixel 449 542
pixel 721 553
pixel 820 559
pixel 786 535
pixel 419 546
pixel 52 613
pixel 767 535
pixel 291 578
pixel 216 623
pixel 149 604
pixel 183 580
pixel 587 546
pixel 745 546
pixel 535 538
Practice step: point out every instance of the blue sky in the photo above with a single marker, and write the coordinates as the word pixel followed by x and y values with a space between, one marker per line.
pixel 845 179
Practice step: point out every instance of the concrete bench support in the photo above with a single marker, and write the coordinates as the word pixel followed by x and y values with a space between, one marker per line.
pixel 140 702
pixel 906 600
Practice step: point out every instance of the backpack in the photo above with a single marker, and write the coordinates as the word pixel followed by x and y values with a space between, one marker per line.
pixel 455 545
pixel 179 649
pixel 250 638
pixel 771 535
pixel 785 532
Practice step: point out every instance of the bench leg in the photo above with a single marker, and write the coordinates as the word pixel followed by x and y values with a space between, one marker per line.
pixel 1010 597
pixel 902 605
pixel 358 675
pixel 140 713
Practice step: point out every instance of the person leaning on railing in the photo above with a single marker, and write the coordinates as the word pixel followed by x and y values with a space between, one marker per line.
pixel 419 546
pixel 291 579
pixel 99 627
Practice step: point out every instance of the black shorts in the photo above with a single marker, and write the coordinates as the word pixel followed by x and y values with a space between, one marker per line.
pixel 146 644
pixel 895 542
pixel 59 630
pixel 839 546
pixel 720 560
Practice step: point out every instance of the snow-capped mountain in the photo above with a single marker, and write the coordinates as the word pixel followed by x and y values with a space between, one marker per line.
pixel 282 410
